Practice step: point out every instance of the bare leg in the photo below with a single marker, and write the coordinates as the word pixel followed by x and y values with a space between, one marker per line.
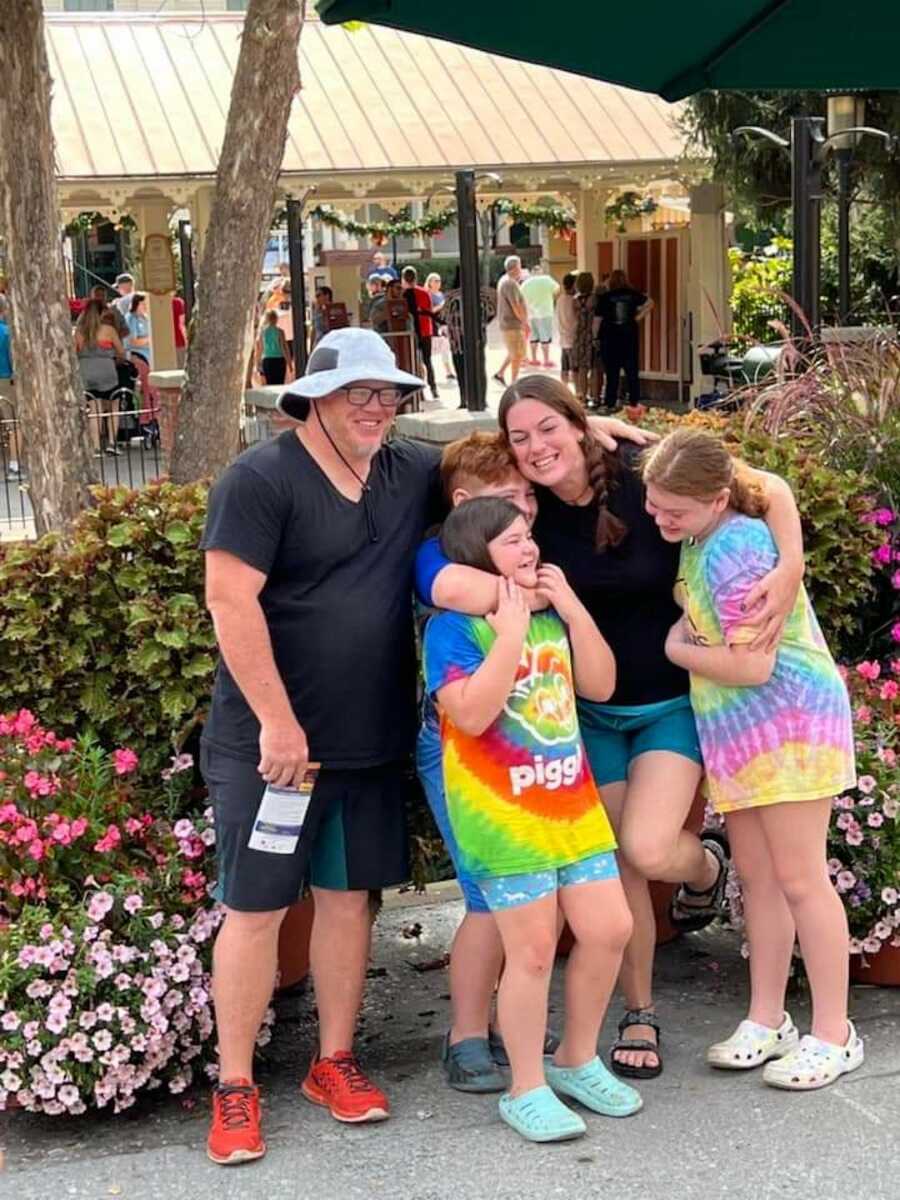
pixel 245 958
pixel 636 974
pixel 476 957
pixel 529 941
pixel 600 920
pixel 581 378
pixel 770 926
pixel 339 956
pixel 661 789
pixel 796 834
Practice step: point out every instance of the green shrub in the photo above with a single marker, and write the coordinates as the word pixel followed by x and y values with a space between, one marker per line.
pixel 107 635
pixel 758 282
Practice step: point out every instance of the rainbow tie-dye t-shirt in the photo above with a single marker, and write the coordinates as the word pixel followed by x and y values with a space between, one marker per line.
pixel 790 738
pixel 520 797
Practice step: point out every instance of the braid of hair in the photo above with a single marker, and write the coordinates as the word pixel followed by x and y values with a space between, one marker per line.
pixel 601 468
pixel 747 495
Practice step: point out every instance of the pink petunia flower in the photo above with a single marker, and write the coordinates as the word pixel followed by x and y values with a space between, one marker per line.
pixel 866 784
pixel 133 903
pixel 869 670
pixel 895 631
pixel 875 819
pixel 111 840
pixel 845 881
pixel 890 895
pixel 99 906
pixel 124 761
pixel 853 837
pixel 890 689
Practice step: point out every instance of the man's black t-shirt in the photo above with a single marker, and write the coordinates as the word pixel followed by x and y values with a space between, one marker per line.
pixel 627 589
pixel 338 605
pixel 618 310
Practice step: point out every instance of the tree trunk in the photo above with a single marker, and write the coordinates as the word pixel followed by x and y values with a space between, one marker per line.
pixel 49 398
pixel 265 83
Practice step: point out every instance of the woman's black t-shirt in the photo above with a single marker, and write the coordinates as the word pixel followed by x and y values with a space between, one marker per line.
pixel 627 589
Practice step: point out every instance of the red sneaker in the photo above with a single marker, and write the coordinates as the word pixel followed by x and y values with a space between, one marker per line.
pixel 338 1084
pixel 235 1135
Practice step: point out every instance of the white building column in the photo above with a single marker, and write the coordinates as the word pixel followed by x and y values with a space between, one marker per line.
pixel 200 206
pixel 590 227
pixel 152 217
pixel 709 276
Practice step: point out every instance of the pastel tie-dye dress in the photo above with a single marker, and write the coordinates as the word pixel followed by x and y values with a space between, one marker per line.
pixel 520 796
pixel 790 738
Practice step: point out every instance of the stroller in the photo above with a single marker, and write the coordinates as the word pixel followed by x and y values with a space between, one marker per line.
pixel 137 419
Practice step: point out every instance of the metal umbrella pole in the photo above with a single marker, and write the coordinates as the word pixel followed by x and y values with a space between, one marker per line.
pixel 298 278
pixel 474 381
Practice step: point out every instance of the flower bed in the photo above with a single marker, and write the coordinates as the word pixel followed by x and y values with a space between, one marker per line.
pixel 105 957
pixel 864 838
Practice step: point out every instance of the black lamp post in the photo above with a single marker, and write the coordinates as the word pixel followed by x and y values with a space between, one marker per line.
pixel 808 147
pixel 844 112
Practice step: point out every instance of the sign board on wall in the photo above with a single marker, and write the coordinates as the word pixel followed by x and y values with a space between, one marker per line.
pixel 158 265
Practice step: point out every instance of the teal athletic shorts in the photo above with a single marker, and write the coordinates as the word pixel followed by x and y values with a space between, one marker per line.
pixel 615 734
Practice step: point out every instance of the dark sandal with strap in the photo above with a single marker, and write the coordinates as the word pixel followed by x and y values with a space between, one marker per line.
pixel 689 918
pixel 636 1016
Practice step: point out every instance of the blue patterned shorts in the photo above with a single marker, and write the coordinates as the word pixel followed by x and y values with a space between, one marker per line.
pixel 509 891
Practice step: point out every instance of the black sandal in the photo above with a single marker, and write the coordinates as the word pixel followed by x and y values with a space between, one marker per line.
pixel 637 1016
pixel 689 918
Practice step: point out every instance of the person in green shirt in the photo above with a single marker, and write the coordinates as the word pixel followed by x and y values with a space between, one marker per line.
pixel 540 292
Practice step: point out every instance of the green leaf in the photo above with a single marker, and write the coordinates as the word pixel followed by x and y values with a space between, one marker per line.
pixel 198 666
pixel 122 534
pixel 149 655
pixel 179 533
pixel 176 638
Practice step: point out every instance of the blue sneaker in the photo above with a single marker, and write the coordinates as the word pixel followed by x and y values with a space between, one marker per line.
pixel 595 1087
pixel 469 1066
pixel 498 1050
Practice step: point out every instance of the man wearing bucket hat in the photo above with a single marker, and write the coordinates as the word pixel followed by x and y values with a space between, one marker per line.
pixel 309 543
pixel 310 540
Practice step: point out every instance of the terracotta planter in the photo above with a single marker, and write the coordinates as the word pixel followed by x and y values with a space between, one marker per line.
pixel 881 969
pixel 293 943
pixel 660 893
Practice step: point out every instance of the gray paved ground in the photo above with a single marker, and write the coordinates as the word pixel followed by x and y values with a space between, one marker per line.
pixel 701 1136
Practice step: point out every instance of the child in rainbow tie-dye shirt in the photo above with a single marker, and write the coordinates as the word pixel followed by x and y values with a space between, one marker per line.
pixel 776 734
pixel 526 814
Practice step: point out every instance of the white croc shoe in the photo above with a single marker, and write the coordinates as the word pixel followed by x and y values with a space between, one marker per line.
pixel 815 1064
pixel 751 1045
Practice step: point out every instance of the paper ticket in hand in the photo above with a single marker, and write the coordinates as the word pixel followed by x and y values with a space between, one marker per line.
pixel 282 811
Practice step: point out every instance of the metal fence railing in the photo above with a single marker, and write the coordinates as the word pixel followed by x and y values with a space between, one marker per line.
pixel 124 440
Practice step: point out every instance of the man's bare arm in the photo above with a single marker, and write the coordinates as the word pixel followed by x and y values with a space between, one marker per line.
pixel 232 597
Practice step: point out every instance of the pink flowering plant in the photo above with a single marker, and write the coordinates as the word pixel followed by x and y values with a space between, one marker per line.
pixel 864 835
pixel 864 838
pixel 883 614
pixel 105 951
pixel 68 810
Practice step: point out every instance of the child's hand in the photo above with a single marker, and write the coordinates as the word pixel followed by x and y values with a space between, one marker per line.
pixel 678 636
pixel 557 591
pixel 513 614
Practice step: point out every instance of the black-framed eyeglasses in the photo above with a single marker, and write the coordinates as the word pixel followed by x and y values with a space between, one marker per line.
pixel 387 397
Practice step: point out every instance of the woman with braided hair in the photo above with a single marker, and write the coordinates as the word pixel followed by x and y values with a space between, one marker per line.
pixel 642 744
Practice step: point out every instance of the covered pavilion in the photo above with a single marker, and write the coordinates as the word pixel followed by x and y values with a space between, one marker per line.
pixel 384 119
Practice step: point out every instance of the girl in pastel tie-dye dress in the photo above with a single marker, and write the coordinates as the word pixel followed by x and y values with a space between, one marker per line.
pixel 776 734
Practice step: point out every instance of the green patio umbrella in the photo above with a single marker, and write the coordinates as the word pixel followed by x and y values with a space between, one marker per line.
pixel 670 48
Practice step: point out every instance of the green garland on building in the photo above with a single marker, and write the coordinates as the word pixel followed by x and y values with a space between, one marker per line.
pixel 556 217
